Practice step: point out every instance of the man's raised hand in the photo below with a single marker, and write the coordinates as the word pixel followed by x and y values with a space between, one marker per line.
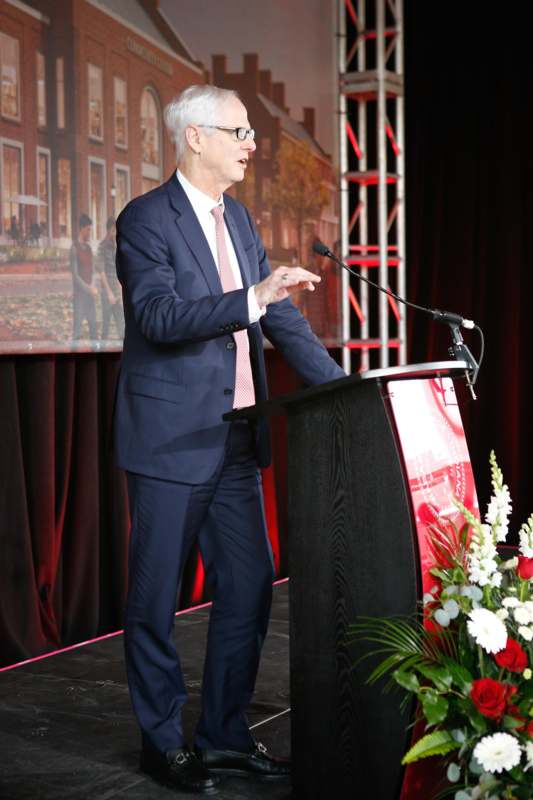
pixel 282 282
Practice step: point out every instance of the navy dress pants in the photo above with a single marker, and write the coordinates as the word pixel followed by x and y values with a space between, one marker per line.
pixel 226 517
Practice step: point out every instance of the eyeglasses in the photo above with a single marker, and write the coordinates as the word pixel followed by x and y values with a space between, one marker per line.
pixel 241 133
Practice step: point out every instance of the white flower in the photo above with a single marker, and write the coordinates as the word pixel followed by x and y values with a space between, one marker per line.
pixel 526 539
pixel 527 674
pixel 522 615
pixel 502 614
pixel 487 630
pixel 529 755
pixel 498 752
pixel 511 563
pixel 525 633
pixel 510 602
pixel 498 512
pixel 482 555
pixel 496 579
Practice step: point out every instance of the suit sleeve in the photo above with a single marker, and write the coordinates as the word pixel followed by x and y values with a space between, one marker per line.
pixel 148 279
pixel 288 330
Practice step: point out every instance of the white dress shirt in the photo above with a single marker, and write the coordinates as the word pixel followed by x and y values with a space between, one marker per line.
pixel 202 205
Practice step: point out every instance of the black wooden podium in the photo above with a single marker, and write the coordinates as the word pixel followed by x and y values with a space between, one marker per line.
pixel 353 551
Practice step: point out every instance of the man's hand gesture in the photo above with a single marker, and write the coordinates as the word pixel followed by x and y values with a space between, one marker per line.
pixel 282 282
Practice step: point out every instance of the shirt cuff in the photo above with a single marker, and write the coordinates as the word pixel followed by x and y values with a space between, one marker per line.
pixel 255 311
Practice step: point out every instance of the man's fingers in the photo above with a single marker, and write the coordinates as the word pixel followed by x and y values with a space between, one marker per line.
pixel 295 276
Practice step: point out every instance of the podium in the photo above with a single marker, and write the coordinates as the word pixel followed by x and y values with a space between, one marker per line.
pixel 371 458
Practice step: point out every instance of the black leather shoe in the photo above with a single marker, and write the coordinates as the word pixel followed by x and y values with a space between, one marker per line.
pixel 258 763
pixel 179 769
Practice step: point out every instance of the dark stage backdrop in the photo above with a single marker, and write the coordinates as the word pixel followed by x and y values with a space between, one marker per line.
pixel 469 135
pixel 63 514
pixel 63 505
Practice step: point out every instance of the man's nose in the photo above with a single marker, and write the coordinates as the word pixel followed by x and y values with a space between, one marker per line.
pixel 250 144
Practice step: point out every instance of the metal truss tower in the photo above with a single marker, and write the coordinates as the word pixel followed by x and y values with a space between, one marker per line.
pixel 372 179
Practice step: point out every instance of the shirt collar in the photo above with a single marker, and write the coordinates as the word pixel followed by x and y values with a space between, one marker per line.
pixel 201 202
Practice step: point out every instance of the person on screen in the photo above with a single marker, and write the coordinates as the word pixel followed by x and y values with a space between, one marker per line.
pixel 198 296
pixel 84 289
pixel 110 291
pixel 14 230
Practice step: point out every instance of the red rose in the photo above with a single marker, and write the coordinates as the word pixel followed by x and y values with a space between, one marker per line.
pixel 489 697
pixel 510 692
pixel 529 730
pixel 512 657
pixel 525 568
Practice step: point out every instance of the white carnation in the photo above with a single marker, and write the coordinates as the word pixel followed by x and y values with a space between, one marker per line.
pixel 526 633
pixel 502 614
pixel 522 615
pixel 487 630
pixel 529 755
pixel 510 602
pixel 498 752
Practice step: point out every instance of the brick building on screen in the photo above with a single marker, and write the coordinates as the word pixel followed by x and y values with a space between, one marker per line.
pixel 83 87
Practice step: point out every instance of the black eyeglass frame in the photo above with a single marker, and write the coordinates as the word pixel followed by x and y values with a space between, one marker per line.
pixel 241 133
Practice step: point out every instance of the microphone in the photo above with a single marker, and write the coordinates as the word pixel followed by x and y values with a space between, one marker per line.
pixel 320 248
pixel 449 318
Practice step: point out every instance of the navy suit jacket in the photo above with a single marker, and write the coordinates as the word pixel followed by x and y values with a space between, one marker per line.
pixel 178 366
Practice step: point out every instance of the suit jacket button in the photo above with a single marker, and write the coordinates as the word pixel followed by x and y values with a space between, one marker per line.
pixel 228 391
pixel 230 345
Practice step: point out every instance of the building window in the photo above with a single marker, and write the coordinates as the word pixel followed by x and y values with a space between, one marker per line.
pixel 97 197
pixel 9 66
pixel 266 229
pixel 64 198
pixel 41 90
pixel 43 186
pixel 265 146
pixel 121 112
pixel 96 102
pixel 122 188
pixel 60 92
pixel 150 139
pixel 266 190
pixel 12 218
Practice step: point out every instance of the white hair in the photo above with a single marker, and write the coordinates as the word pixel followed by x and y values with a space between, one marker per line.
pixel 196 105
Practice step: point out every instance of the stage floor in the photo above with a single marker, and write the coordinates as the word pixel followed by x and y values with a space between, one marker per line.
pixel 67 729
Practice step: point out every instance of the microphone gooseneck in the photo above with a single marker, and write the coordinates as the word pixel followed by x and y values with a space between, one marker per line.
pixel 459 350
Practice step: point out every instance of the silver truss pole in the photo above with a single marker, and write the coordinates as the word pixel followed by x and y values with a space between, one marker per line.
pixel 344 189
pixel 400 186
pixel 383 242
pixel 362 112
pixel 371 80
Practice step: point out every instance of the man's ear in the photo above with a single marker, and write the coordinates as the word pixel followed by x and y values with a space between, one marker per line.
pixel 192 136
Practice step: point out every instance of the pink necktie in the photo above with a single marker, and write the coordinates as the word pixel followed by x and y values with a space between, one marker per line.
pixel 244 382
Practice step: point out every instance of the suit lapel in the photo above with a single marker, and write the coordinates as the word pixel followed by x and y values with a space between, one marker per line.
pixel 239 249
pixel 187 222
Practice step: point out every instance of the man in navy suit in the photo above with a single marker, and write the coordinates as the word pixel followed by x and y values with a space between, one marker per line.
pixel 198 297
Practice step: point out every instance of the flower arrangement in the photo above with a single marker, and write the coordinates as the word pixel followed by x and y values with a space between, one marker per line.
pixel 469 658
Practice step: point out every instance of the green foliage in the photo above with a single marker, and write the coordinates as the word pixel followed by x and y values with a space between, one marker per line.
pixel 436 743
pixel 434 706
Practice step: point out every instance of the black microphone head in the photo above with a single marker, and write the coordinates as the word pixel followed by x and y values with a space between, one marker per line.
pixel 320 248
